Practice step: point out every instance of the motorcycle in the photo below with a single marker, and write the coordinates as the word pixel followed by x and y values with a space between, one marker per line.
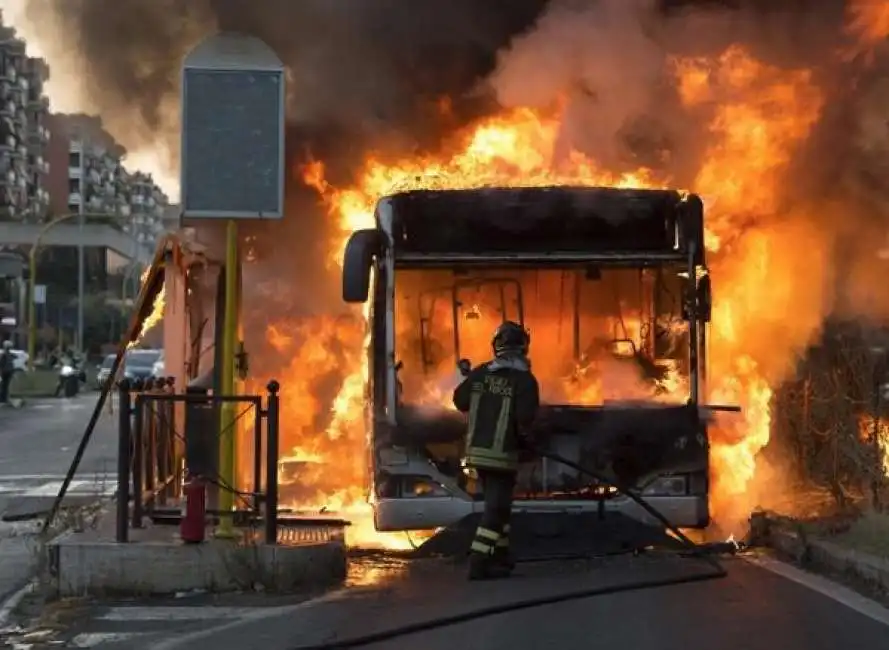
pixel 70 378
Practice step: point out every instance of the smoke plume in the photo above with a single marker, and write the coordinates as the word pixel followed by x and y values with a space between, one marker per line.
pixel 361 75
pixel 355 66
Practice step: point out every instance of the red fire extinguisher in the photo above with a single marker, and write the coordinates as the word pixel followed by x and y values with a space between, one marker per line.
pixel 192 527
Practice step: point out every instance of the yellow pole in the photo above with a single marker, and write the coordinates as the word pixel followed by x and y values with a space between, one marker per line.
pixel 227 387
pixel 242 428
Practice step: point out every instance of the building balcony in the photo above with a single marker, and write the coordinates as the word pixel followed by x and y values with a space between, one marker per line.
pixel 39 135
pixel 8 73
pixel 39 102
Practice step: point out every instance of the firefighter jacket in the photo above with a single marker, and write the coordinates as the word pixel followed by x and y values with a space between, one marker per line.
pixel 501 398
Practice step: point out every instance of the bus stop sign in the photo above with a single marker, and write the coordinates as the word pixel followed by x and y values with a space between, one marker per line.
pixel 232 154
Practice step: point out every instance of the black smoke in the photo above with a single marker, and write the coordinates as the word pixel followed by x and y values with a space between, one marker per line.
pixel 370 73
pixel 355 65
pixel 363 74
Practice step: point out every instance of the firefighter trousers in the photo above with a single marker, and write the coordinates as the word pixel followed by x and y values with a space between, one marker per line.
pixel 492 535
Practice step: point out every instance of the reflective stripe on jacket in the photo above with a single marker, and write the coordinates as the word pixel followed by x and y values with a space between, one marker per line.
pixel 501 400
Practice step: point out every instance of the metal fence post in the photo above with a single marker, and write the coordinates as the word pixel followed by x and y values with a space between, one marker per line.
pixel 175 459
pixel 138 455
pixel 124 440
pixel 152 417
pixel 166 442
pixel 257 457
pixel 271 470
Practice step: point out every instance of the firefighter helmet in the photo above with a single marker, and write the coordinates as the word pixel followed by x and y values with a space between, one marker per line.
pixel 511 337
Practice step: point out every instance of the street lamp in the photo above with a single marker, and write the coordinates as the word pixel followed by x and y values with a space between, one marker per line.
pixel 32 268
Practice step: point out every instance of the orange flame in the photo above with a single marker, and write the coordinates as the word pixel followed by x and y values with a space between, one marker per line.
pixel 868 23
pixel 156 314
pixel 757 116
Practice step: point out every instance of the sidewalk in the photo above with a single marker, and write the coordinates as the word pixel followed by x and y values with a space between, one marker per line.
pixel 19 549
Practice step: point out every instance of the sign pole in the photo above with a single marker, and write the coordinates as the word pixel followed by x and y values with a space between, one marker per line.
pixel 232 168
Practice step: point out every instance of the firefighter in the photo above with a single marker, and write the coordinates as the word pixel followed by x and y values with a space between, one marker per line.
pixel 501 398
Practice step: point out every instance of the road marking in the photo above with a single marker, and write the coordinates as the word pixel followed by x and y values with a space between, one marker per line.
pixel 52 488
pixel 837 592
pixel 65 405
pixel 41 485
pixel 188 639
pixel 202 613
pixel 95 477
pixel 96 639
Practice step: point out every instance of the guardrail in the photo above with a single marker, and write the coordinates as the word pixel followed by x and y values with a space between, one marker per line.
pixel 151 467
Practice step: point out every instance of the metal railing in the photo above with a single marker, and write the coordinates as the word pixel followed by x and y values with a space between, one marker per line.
pixel 150 469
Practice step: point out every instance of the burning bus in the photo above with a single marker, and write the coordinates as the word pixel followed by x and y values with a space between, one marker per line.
pixel 617 281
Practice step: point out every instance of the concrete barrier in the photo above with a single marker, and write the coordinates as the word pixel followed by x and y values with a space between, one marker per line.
pixel 88 563
pixel 819 554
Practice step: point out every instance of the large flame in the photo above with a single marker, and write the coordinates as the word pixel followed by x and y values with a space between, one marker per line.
pixel 154 316
pixel 757 115
pixel 868 23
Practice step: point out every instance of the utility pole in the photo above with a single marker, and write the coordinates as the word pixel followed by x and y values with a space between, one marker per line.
pixel 81 271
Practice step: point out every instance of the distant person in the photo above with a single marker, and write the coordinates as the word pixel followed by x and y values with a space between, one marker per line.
pixel 7 368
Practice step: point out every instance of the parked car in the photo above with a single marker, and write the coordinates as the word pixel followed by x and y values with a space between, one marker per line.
pixel 104 371
pixel 157 370
pixel 137 364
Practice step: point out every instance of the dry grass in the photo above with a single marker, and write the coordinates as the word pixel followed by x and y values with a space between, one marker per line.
pixel 869 534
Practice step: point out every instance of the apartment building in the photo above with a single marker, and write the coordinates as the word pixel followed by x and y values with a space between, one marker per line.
pixel 148 204
pixel 92 179
pixel 24 135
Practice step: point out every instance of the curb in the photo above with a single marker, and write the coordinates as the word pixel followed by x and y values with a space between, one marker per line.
pixel 11 603
pixel 824 556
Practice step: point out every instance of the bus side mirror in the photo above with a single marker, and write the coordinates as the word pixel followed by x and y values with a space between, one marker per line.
pixel 464 366
pixel 361 249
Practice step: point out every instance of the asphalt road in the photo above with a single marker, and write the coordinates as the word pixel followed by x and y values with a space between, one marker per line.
pixel 40 438
pixel 754 608
pixel 37 444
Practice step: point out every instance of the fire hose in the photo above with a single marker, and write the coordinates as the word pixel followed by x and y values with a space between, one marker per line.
pixel 692 549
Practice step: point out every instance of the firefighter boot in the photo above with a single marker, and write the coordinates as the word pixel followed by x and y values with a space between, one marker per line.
pixel 486 567
pixel 503 558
